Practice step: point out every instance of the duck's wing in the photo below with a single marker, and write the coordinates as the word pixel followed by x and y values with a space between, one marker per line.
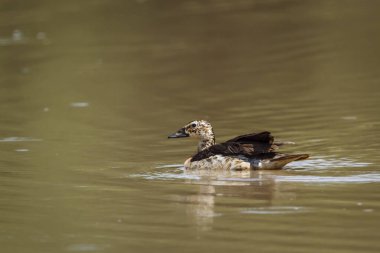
pixel 263 137
pixel 231 149
pixel 248 145
pixel 262 142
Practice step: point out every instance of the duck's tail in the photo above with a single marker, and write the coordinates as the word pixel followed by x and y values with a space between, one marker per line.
pixel 281 161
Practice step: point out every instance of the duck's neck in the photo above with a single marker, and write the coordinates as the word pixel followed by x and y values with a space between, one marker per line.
pixel 206 141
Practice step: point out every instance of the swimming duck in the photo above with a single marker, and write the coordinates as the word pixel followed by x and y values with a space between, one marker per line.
pixel 250 151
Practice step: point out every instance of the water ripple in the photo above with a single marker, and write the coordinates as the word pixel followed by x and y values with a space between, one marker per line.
pixel 275 210
pixel 19 139
pixel 361 178
pixel 328 163
pixel 177 172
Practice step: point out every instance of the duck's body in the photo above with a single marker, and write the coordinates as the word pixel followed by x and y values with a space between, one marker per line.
pixel 221 162
pixel 245 152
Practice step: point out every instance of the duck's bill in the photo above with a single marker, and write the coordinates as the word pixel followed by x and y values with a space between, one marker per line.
pixel 179 134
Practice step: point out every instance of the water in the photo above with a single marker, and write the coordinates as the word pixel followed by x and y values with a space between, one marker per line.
pixel 89 92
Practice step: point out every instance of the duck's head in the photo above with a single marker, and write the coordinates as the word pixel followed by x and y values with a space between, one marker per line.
pixel 196 128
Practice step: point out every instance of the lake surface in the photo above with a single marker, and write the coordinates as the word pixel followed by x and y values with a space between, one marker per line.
pixel 89 91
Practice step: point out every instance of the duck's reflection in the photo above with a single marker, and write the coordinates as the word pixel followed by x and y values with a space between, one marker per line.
pixel 200 207
pixel 249 189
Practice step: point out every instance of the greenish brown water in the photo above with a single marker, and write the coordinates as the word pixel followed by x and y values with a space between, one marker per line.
pixel 89 91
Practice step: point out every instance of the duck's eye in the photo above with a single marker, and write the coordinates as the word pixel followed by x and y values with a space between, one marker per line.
pixel 193 125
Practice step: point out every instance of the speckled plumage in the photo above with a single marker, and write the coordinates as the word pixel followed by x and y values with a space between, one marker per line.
pixel 250 151
pixel 220 162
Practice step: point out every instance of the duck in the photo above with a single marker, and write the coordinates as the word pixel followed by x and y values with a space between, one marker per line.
pixel 254 151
